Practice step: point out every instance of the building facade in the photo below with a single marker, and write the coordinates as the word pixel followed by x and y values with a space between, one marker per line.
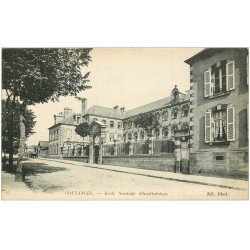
pixel 42 149
pixel 219 117
pixel 111 117
pixel 62 136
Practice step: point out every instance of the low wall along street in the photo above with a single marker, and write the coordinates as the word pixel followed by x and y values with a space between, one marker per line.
pixel 164 162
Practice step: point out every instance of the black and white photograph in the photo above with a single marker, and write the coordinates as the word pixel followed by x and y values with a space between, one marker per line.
pixel 125 123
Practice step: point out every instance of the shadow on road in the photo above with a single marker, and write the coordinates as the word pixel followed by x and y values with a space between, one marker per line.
pixel 31 169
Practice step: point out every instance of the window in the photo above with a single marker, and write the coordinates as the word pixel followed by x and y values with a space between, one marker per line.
pixel 165 132
pixel 157 133
pixel 219 157
pixel 111 124
pixel 124 137
pixel 129 124
pixel 175 113
pixel 157 116
pixel 165 115
pixel 220 124
pixel 104 121
pixel 219 79
pixel 119 125
pixel 95 119
pixel 174 128
pixel 111 136
pixel 185 109
pixel 129 136
pixel 219 119
pixel 135 136
pixel 142 135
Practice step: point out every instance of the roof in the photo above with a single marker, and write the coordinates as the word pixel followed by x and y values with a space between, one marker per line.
pixel 155 105
pixel 69 120
pixel 148 107
pixel 44 144
pixel 105 112
pixel 207 52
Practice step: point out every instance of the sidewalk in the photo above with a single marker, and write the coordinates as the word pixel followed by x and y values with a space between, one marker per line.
pixel 12 190
pixel 202 180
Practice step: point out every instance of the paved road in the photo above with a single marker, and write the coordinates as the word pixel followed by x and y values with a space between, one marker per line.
pixel 66 181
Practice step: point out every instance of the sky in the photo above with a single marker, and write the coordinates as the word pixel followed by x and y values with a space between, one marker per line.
pixel 128 77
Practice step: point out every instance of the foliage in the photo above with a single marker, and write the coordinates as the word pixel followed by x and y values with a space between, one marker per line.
pixel 82 129
pixel 31 76
pixel 39 75
pixel 148 121
pixel 14 124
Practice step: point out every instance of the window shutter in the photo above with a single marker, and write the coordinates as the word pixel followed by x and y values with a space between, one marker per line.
pixel 230 76
pixel 208 127
pixel 230 123
pixel 207 83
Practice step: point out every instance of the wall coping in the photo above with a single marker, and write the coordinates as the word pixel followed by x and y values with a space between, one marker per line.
pixel 167 155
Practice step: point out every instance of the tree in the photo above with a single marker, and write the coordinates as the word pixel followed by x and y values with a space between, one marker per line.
pixel 147 121
pixel 82 129
pixel 31 76
pixel 14 125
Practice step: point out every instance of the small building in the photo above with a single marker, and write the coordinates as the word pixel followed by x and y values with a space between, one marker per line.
pixel 30 151
pixel 219 117
pixel 42 149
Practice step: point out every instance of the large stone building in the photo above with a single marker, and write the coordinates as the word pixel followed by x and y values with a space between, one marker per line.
pixel 202 131
pixel 219 117
pixel 63 140
pixel 62 136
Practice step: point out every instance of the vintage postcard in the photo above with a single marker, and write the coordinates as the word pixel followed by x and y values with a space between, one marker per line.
pixel 125 124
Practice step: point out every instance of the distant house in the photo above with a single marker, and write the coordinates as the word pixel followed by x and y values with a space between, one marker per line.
pixel 42 149
pixel 30 150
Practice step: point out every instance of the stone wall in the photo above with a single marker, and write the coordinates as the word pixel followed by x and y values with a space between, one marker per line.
pixel 233 164
pixel 164 162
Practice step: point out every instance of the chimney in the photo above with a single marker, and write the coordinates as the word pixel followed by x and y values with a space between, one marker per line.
pixel 58 118
pixel 84 106
pixel 67 112
pixel 122 110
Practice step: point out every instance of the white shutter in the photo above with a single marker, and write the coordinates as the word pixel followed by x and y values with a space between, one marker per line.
pixel 208 127
pixel 230 76
pixel 207 83
pixel 230 123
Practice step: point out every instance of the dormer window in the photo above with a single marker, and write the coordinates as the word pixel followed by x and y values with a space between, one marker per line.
pixel 165 115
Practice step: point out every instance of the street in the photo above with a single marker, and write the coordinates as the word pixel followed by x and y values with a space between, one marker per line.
pixel 49 179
